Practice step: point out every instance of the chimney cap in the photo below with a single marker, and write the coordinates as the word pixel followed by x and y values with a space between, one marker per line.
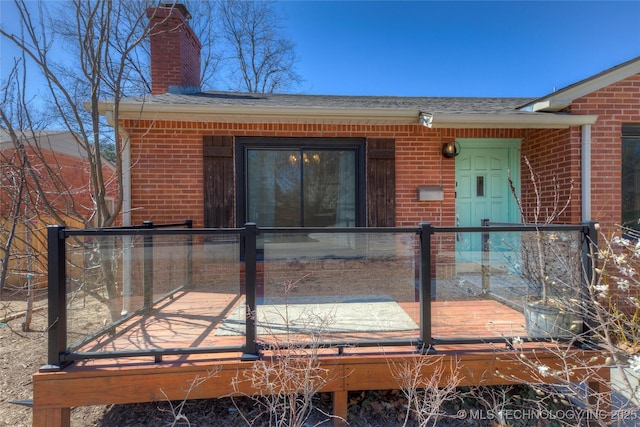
pixel 179 6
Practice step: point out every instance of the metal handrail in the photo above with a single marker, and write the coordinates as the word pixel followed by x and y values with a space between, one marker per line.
pixel 60 354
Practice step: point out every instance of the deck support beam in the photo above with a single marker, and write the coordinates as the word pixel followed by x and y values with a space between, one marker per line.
pixel 340 408
pixel 51 417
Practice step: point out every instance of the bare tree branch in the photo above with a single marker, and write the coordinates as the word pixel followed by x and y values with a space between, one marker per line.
pixel 263 58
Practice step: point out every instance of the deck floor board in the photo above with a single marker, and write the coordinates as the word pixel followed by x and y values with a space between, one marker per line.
pixel 191 319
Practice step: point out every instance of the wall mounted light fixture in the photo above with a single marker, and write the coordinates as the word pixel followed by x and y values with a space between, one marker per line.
pixel 450 149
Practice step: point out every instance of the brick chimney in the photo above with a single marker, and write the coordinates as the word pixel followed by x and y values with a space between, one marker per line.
pixel 175 51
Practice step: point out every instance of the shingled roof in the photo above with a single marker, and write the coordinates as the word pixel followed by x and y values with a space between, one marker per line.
pixel 466 105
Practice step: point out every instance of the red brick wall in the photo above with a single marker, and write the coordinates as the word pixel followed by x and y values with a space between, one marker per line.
pixel 167 182
pixel 64 178
pixel 554 154
pixel 616 104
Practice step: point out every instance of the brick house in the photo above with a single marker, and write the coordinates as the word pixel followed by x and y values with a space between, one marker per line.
pixel 223 159
pixel 59 169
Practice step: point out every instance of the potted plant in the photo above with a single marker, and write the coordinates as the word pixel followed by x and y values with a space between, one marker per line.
pixel 550 263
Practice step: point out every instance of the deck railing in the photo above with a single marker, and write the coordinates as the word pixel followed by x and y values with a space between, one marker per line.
pixel 174 290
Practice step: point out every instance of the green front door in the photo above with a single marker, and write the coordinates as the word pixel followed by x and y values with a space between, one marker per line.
pixel 482 188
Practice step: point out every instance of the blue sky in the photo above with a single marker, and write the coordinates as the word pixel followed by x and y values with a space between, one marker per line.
pixel 456 48
pixel 452 48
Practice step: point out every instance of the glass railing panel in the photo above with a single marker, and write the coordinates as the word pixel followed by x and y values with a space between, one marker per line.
pixel 96 297
pixel 219 286
pixel 169 272
pixel 482 292
pixel 456 311
pixel 550 264
pixel 338 287
pixel 182 299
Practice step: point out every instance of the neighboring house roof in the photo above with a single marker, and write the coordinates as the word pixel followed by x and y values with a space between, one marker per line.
pixel 441 112
pixel 58 141
pixel 562 98
pixel 63 142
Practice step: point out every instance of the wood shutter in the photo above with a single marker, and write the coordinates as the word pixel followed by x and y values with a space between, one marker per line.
pixel 218 181
pixel 381 182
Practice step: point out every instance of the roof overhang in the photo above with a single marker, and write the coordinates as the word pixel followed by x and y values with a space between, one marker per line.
pixel 261 114
pixel 317 115
pixel 561 99
pixel 511 121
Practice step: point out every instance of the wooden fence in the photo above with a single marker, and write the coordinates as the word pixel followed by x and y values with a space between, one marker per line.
pixel 28 250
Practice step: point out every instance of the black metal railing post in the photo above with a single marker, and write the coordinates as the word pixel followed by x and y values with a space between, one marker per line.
pixel 57 266
pixel 426 230
pixel 189 224
pixel 148 268
pixel 486 271
pixel 250 259
pixel 589 265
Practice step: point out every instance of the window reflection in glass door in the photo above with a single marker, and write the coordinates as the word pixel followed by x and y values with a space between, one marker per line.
pixel 301 188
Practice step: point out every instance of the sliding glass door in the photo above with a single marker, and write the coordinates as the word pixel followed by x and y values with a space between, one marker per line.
pixel 304 186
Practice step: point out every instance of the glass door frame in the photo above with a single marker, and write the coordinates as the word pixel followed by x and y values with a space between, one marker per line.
pixel 244 144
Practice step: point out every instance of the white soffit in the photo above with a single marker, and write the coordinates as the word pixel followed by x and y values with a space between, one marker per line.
pixel 514 121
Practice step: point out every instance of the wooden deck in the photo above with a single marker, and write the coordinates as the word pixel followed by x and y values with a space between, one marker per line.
pixel 192 318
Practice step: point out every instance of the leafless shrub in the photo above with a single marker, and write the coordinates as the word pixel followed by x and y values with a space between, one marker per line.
pixel 421 381
pixel 495 400
pixel 572 380
pixel 176 410
pixel 548 261
pixel 602 291
pixel 290 373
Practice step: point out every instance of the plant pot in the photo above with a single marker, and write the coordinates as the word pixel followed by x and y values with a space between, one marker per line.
pixel 549 321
